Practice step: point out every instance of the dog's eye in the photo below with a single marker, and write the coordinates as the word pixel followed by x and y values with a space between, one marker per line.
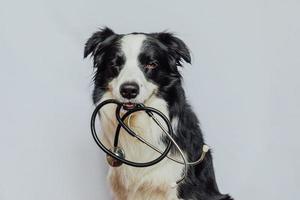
pixel 151 65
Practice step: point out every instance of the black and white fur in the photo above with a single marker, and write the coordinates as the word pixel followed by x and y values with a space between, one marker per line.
pixel 151 62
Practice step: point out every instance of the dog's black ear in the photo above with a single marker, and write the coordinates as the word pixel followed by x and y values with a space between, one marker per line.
pixel 176 46
pixel 96 39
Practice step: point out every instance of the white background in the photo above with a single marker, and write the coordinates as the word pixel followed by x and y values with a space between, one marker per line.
pixel 243 84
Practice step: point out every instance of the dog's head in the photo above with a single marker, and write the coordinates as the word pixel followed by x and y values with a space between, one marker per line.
pixel 134 67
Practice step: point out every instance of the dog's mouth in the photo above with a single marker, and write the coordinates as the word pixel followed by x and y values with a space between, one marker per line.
pixel 129 105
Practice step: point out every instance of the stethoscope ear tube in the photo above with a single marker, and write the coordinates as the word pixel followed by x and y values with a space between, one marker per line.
pixel 121 124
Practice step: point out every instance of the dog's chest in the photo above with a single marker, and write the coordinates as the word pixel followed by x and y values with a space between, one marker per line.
pixel 131 179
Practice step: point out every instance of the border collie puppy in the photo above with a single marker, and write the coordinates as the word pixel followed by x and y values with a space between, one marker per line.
pixel 143 68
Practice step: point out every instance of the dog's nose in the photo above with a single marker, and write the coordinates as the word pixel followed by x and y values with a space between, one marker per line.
pixel 129 90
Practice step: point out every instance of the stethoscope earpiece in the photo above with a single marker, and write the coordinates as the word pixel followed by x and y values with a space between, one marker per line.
pixel 118 151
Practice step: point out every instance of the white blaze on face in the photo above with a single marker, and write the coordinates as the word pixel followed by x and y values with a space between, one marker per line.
pixel 131 45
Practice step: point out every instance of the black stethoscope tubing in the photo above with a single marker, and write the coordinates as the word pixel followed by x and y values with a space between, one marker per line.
pixel 121 124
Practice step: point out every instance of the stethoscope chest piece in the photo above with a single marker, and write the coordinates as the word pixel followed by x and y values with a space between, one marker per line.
pixel 119 153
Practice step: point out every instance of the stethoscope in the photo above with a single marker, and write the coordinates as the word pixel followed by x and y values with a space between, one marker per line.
pixel 116 155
